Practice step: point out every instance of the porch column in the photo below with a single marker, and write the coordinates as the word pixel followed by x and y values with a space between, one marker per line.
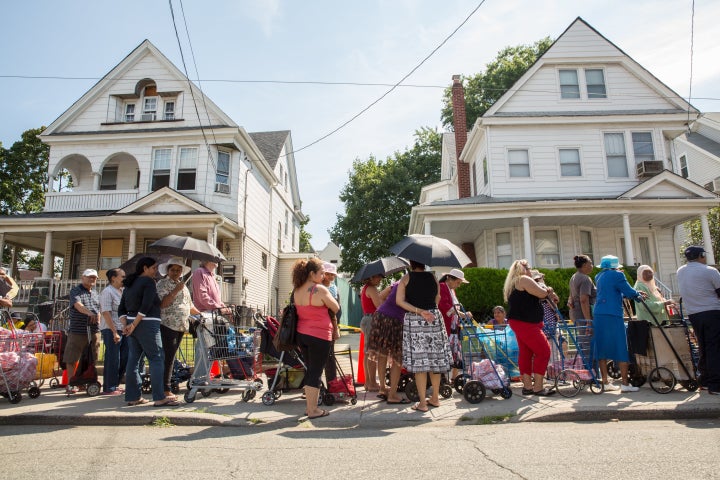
pixel 51 179
pixel 426 228
pixel 131 243
pixel 629 255
pixel 48 257
pixel 210 236
pixel 707 241
pixel 528 253
pixel 96 181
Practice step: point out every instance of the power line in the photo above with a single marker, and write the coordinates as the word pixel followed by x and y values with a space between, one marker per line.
pixel 692 41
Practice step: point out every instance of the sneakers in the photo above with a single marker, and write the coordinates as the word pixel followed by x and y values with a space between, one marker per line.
pixel 628 388
pixel 71 390
pixel 611 387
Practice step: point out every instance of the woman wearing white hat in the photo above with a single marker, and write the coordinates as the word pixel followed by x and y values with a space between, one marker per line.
pixel 448 306
pixel 175 308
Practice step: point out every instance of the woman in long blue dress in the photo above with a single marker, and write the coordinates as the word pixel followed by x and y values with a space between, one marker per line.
pixel 609 338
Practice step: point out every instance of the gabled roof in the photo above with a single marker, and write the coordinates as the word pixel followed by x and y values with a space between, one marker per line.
pixel 703 143
pixel 117 73
pixel 165 200
pixel 270 144
pixel 565 49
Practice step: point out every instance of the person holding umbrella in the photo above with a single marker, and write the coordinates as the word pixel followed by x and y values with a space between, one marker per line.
pixel 451 314
pixel 426 349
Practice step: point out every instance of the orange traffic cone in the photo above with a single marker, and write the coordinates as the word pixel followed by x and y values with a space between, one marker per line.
pixel 215 369
pixel 64 381
pixel 361 361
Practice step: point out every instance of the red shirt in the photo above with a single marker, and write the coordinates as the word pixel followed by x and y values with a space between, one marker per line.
pixel 368 306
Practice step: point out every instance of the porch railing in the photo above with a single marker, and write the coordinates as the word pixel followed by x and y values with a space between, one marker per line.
pixel 89 200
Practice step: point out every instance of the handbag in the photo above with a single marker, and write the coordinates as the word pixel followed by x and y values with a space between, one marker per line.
pixel 284 339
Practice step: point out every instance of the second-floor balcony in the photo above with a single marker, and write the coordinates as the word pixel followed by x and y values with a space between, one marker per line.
pixel 89 200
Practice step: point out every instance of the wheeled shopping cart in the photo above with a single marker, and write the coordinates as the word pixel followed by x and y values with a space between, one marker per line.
pixel 571 361
pixel 18 364
pixel 218 341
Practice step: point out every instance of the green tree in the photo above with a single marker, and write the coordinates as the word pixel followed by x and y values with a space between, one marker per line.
pixel 24 174
pixel 695 232
pixel 485 88
pixel 305 237
pixel 379 196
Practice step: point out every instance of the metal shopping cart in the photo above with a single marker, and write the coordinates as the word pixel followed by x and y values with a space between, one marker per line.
pixel 18 364
pixel 218 341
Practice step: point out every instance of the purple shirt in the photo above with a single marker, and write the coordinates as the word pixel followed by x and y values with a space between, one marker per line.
pixel 206 292
pixel 389 308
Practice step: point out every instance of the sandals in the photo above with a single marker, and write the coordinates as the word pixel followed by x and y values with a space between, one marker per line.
pixel 140 401
pixel 545 392
pixel 402 401
pixel 527 391
pixel 417 408
pixel 167 402
pixel 324 413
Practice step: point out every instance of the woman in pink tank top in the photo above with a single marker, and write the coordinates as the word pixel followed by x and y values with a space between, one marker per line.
pixel 315 328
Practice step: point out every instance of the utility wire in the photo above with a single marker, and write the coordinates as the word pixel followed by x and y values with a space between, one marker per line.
pixel 343 125
pixel 692 41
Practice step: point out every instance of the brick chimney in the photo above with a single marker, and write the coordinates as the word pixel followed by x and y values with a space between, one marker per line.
pixel 460 125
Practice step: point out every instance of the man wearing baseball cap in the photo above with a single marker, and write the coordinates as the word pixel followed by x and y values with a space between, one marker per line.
pixel 84 315
pixel 700 291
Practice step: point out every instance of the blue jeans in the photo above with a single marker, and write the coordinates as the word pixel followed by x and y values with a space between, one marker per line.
pixel 116 356
pixel 145 339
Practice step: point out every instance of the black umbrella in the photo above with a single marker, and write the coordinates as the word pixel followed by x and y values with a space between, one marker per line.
pixel 188 247
pixel 130 265
pixel 384 266
pixel 430 250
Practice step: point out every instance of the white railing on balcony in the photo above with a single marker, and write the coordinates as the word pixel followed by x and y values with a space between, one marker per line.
pixel 89 200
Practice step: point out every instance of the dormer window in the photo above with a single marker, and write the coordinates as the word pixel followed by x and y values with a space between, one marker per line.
pixel 149 109
pixel 169 111
pixel 129 112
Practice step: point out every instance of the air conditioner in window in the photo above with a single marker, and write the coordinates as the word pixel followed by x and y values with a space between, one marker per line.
pixel 147 117
pixel 222 188
pixel 649 168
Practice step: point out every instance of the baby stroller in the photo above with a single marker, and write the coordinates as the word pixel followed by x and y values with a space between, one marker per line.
pixel 86 374
pixel 289 372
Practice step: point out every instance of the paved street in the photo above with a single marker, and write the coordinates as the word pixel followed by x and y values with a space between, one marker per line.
pixel 612 450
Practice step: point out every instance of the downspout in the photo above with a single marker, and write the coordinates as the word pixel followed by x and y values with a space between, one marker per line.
pixel 244 236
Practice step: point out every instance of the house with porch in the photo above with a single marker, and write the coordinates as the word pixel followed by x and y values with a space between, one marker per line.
pixel 147 154
pixel 575 158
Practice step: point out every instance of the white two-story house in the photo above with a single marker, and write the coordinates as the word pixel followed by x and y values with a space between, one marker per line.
pixel 147 154
pixel 575 158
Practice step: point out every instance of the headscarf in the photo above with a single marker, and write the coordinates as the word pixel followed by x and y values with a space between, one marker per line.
pixel 652 287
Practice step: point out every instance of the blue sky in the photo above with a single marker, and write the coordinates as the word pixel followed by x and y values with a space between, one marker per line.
pixel 368 42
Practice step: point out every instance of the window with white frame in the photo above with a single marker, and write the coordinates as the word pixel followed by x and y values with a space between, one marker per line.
pixel 129 112
pixel 149 112
pixel 108 179
pixel 287 222
pixel 169 113
pixel 569 85
pixel 187 168
pixel 547 248
pixel 570 162
pixel 503 249
pixel 586 245
pixel 684 166
pixel 595 83
pixel 519 163
pixel 485 171
pixel 616 155
pixel 162 158
pixel 222 172
pixel 643 147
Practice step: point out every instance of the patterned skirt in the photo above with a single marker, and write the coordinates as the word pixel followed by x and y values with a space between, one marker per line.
pixel 425 345
pixel 386 338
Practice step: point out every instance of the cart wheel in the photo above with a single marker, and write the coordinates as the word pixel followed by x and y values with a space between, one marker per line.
pixel 268 398
pixel 206 393
pixel 329 399
pixel 175 388
pixel 460 382
pixel 93 389
pixel 506 393
pixel 613 370
pixel 189 397
pixel 277 394
pixel 258 383
pixel 446 390
pixel 146 385
pixel 248 395
pixel 596 386
pixel 637 379
pixel 54 383
pixel 387 376
pixel 568 383
pixel 33 392
pixel 495 391
pixel 411 391
pixel 15 397
pixel 321 396
pixel 690 385
pixel 474 391
pixel 662 380
pixel 353 401
pixel 402 383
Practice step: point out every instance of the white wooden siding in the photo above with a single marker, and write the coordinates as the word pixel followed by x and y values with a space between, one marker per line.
pixel 580 41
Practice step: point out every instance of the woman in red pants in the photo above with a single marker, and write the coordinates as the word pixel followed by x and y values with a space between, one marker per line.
pixel 525 317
